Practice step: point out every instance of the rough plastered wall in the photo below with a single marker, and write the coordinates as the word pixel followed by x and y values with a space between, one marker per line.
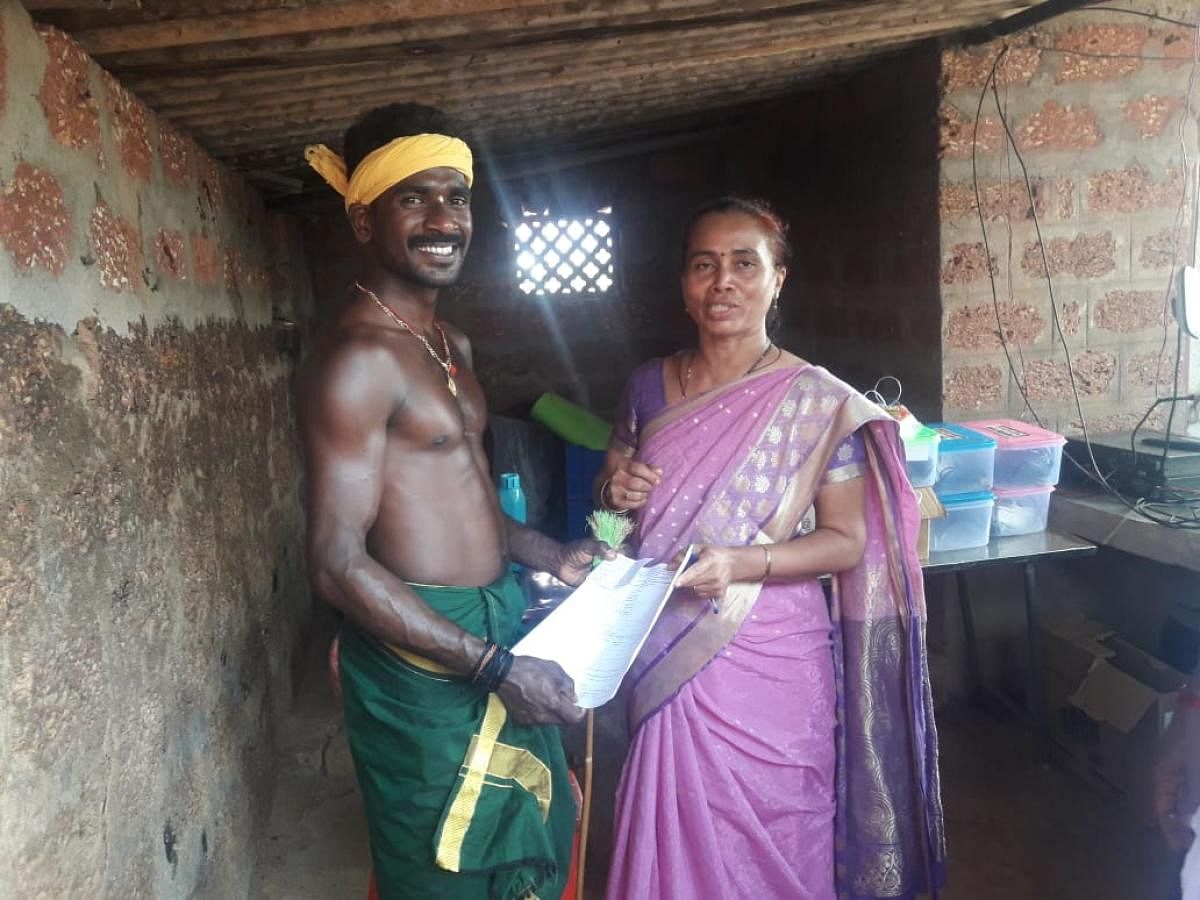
pixel 151 588
pixel 862 298
pixel 1094 100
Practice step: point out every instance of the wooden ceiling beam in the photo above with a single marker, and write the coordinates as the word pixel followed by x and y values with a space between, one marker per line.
pixel 435 89
pixel 306 20
pixel 545 60
pixel 531 114
pixel 480 115
pixel 614 79
pixel 616 19
pixel 90 5
pixel 388 44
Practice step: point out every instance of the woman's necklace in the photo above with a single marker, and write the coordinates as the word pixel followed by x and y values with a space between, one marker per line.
pixel 447 364
pixel 687 377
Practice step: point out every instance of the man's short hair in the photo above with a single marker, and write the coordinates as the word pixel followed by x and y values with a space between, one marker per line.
pixel 384 124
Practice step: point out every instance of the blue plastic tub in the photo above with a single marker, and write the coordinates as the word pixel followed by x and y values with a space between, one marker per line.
pixel 968 522
pixel 966 460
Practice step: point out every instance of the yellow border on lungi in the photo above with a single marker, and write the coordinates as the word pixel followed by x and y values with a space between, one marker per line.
pixel 462 810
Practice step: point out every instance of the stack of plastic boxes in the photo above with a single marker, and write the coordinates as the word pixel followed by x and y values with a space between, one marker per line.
pixel 921 457
pixel 964 486
pixel 994 479
pixel 1028 460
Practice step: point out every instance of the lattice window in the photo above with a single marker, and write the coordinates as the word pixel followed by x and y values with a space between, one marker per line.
pixel 564 255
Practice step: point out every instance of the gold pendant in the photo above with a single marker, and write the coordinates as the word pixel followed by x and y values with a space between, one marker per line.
pixel 453 387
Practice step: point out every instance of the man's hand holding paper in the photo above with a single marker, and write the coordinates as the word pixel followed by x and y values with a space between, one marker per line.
pixel 597 632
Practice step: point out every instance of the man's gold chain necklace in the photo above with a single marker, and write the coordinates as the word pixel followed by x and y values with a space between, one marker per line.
pixel 447 364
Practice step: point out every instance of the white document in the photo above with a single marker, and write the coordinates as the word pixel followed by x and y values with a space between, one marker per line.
pixel 596 633
pixel 1190 876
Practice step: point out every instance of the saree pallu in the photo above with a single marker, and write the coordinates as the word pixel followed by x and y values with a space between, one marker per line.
pixel 782 748
pixel 461 802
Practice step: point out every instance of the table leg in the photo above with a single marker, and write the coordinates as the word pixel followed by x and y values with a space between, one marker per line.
pixel 1033 684
pixel 974 682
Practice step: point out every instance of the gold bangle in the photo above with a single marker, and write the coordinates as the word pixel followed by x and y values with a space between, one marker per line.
pixel 604 504
pixel 767 573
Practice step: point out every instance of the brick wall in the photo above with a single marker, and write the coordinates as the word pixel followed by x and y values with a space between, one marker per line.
pixel 1094 101
pixel 151 586
pixel 853 166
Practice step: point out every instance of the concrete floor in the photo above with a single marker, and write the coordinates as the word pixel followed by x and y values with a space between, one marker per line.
pixel 1017 829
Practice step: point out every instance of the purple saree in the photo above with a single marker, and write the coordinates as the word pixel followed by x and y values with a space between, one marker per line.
pixel 782 748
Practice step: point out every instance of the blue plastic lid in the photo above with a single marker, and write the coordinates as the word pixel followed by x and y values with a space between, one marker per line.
pixel 956 438
pixel 964 499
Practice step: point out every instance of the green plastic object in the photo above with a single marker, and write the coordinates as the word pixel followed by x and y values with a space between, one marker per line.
pixel 571 422
pixel 923 438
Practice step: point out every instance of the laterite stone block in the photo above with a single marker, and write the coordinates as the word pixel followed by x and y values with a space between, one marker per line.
pixel 966 263
pixel 168 250
pixel 72 114
pixel 1047 379
pixel 958 134
pixel 967 388
pixel 974 327
pixel 35 225
pixel 1058 127
pixel 1083 256
pixel 117 249
pixel 1151 114
pixel 1132 189
pixel 129 129
pixel 1125 312
pixel 1105 52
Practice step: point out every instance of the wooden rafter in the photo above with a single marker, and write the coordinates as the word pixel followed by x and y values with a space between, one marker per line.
pixel 255 80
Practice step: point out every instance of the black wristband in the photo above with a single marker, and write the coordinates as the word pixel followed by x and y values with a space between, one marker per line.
pixel 495 669
pixel 506 665
pixel 488 654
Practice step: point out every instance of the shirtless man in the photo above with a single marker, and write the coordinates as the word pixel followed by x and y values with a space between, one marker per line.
pixel 463 780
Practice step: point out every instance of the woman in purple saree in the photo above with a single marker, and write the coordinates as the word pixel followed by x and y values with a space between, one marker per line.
pixel 784 746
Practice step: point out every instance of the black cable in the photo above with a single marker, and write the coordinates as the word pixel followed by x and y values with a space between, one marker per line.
pixel 1037 228
pixel 1139 506
pixel 1188 179
pixel 987 250
pixel 1144 15
pixel 1090 55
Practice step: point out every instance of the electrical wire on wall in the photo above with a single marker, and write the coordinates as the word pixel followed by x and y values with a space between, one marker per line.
pixel 1171 508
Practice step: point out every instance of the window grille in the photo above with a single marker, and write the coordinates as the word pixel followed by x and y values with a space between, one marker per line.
pixel 564 255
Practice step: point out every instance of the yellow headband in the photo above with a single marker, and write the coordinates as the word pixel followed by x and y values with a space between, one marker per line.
pixel 390 164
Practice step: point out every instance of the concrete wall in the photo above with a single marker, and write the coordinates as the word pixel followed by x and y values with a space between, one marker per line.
pixel 1095 102
pixel 854 168
pixel 151 588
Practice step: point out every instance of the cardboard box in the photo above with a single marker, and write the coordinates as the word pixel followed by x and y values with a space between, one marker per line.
pixel 1110 723
pixel 931 508
pixel 1068 646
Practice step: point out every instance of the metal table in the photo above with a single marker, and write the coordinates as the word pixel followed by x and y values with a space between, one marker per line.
pixel 1026 551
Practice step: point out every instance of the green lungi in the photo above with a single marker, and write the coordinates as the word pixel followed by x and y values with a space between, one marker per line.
pixel 462 803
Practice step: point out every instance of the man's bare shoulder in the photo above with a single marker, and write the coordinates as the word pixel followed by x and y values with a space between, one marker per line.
pixel 351 365
pixel 458 340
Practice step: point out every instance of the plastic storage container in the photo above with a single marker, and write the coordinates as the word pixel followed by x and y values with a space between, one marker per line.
pixel 1020 510
pixel 921 457
pixel 965 460
pixel 581 467
pixel 1026 456
pixel 967 523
